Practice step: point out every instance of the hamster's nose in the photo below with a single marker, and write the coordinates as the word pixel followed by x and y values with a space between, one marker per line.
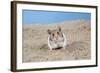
pixel 56 38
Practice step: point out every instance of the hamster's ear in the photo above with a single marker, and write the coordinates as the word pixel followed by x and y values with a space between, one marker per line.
pixel 49 31
pixel 59 28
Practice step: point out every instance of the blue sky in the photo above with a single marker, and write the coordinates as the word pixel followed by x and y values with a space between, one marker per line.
pixel 49 17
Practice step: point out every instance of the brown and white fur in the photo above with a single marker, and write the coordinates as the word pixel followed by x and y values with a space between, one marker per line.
pixel 56 39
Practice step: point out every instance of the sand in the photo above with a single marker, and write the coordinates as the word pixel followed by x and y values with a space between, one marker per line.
pixel 78 35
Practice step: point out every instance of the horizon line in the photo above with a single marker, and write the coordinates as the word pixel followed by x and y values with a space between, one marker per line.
pixel 57 23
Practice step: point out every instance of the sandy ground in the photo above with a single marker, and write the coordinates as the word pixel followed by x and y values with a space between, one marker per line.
pixel 78 35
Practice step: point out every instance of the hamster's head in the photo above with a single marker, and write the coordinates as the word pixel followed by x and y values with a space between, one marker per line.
pixel 55 34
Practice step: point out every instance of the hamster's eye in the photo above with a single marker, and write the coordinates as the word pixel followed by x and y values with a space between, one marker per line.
pixel 53 34
pixel 58 33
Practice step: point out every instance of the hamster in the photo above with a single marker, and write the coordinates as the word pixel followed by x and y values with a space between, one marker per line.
pixel 56 39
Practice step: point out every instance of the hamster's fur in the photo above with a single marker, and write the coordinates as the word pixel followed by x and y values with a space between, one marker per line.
pixel 56 39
